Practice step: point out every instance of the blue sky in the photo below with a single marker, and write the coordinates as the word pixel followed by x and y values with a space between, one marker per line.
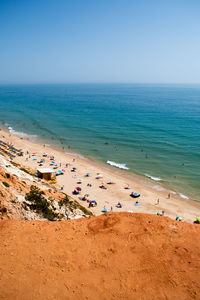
pixel 100 41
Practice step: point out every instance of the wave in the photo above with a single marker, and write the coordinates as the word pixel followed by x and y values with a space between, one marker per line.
pixel 114 164
pixel 153 178
pixel 183 196
pixel 20 134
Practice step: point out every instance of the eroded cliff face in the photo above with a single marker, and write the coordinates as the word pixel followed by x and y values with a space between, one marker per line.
pixel 16 182
pixel 113 256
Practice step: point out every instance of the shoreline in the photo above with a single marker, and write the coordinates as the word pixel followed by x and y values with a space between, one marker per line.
pixel 159 184
pixel 150 190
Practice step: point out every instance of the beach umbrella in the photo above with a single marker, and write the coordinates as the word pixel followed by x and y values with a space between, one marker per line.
pixel 93 201
pixel 198 219
pixel 86 195
pixel 136 194
pixel 78 188
pixel 60 172
pixel 63 170
pixel 53 162
pixel 88 173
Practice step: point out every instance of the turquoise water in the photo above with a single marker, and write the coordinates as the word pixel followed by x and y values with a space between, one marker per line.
pixel 149 129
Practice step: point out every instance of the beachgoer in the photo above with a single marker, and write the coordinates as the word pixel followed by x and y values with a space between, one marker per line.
pixel 169 196
pixel 158 201
pixel 103 187
pixel 105 209
pixel 197 221
pixel 111 209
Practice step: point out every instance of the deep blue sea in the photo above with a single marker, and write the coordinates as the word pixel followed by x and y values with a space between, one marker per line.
pixel 151 130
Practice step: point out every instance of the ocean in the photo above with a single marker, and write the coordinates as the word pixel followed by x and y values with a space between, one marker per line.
pixel 150 130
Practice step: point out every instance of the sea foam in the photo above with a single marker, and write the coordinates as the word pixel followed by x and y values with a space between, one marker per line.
pixel 120 166
pixel 153 178
pixel 183 196
pixel 20 134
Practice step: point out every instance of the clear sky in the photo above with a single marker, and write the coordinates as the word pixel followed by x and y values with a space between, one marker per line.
pixel 139 41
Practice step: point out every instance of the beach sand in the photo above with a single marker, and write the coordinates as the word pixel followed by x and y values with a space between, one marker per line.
pixel 150 191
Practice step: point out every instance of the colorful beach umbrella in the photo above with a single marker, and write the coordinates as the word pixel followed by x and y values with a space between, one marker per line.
pixel 78 188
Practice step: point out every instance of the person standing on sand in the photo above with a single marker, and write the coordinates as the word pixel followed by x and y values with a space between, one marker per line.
pixel 111 209
pixel 169 196
pixel 158 201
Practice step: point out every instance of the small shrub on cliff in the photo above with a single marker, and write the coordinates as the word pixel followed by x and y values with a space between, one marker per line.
pixel 39 203
pixel 26 171
pixel 35 195
pixel 64 201
pixel 6 184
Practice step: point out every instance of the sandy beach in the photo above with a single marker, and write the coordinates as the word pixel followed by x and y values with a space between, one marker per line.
pixel 150 191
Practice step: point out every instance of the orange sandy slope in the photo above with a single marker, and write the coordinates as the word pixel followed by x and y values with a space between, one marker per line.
pixel 117 256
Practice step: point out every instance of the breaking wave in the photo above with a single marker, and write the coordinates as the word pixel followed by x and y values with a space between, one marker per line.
pixel 114 164
pixel 153 178
pixel 20 134
pixel 183 196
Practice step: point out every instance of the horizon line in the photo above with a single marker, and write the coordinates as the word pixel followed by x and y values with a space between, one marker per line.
pixel 98 82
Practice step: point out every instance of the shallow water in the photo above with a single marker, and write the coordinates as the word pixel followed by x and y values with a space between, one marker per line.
pixel 148 129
